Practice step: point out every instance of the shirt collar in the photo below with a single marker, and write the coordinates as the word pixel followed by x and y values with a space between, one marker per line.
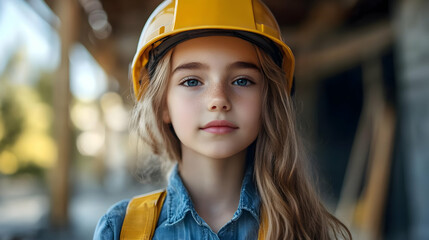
pixel 179 202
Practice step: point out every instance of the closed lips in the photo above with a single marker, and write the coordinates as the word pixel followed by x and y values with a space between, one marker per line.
pixel 219 127
pixel 220 123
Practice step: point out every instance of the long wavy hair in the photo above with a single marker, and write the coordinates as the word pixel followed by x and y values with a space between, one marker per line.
pixel 290 207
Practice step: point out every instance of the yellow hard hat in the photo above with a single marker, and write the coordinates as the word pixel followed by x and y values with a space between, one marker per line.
pixel 174 21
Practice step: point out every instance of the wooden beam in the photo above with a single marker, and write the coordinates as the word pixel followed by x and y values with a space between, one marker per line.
pixel 343 52
pixel 68 13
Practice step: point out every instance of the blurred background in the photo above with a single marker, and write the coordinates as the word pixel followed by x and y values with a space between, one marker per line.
pixel 362 95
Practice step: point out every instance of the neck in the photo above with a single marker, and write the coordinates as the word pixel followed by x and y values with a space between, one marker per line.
pixel 214 185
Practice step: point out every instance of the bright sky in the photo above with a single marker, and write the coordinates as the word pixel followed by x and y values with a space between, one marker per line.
pixel 22 28
pixel 88 80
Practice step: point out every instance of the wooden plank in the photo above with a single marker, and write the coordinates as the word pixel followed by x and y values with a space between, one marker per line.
pixel 68 13
pixel 343 52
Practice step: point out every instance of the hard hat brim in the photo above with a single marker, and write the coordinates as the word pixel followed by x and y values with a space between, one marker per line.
pixel 142 58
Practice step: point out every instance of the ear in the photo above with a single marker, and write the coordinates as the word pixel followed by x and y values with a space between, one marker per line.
pixel 166 115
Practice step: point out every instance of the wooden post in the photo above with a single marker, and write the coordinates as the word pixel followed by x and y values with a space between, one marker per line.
pixel 364 213
pixel 68 13
pixel 412 34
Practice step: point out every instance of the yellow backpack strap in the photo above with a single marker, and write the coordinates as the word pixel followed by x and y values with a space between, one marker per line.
pixel 142 215
pixel 143 212
pixel 263 226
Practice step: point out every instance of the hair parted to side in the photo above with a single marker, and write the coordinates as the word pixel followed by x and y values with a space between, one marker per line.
pixel 290 206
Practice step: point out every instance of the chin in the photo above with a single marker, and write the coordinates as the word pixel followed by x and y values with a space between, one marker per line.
pixel 223 153
pixel 219 156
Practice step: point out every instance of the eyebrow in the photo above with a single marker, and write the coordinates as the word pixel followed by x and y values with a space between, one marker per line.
pixel 241 64
pixel 190 66
pixel 198 65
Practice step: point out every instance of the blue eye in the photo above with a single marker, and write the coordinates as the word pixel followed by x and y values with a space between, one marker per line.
pixel 242 82
pixel 191 83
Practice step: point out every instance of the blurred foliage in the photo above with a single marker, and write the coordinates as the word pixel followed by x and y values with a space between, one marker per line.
pixel 11 117
pixel 26 114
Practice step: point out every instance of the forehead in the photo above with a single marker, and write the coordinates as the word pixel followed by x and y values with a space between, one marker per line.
pixel 222 48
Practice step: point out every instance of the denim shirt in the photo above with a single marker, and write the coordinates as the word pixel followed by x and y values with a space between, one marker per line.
pixel 179 219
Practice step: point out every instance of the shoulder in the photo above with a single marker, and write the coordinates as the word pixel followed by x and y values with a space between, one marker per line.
pixel 109 226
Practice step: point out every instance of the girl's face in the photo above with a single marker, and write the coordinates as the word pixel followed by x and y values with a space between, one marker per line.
pixel 214 96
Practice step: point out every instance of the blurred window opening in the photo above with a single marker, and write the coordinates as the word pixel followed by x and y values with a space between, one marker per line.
pixel 88 81
pixel 30 34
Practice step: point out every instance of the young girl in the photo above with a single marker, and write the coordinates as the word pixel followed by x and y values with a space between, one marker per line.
pixel 212 81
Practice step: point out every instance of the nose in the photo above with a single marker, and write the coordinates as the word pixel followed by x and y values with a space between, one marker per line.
pixel 219 100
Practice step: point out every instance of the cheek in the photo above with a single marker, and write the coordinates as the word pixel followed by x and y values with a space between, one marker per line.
pixel 251 110
pixel 182 110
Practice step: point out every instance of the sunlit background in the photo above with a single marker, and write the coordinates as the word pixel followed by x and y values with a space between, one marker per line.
pixel 66 154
